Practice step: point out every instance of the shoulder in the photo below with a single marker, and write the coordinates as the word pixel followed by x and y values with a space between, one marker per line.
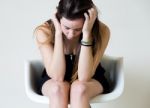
pixel 104 30
pixel 43 33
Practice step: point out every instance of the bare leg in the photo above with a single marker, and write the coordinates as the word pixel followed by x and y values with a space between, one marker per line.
pixel 57 92
pixel 82 92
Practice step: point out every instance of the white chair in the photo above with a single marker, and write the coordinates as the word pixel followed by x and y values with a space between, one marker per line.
pixel 114 74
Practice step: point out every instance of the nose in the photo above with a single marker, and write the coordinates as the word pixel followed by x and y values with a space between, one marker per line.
pixel 71 33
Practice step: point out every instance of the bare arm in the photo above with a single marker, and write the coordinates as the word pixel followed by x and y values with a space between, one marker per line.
pixel 86 67
pixel 58 60
pixel 58 64
pixel 86 57
pixel 85 62
pixel 52 56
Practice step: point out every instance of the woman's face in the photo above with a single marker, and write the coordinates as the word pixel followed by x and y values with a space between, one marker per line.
pixel 71 28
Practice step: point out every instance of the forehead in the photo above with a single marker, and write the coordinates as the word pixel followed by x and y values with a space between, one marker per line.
pixel 77 23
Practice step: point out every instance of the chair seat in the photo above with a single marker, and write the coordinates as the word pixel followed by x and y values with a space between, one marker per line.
pixel 114 75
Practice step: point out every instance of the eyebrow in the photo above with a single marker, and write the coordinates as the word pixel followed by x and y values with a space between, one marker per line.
pixel 73 29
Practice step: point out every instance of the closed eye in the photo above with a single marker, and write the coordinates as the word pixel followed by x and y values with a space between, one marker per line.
pixel 67 28
pixel 77 29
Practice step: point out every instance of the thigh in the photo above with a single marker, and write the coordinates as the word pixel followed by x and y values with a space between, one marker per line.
pixel 94 88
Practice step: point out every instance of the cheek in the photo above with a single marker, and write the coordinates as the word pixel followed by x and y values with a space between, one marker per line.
pixel 78 33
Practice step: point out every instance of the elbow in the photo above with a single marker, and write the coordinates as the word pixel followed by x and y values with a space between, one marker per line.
pixel 58 79
pixel 84 78
pixel 56 75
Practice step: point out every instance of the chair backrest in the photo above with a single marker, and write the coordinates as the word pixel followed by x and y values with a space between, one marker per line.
pixel 36 69
pixel 109 65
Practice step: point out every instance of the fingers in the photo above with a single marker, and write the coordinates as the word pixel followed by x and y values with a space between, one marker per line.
pixel 56 23
pixel 92 14
pixel 90 17
pixel 86 17
pixel 54 18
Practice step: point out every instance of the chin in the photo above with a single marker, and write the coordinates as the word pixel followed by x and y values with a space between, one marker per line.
pixel 70 38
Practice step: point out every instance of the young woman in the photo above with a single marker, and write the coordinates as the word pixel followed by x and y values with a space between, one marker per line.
pixel 72 44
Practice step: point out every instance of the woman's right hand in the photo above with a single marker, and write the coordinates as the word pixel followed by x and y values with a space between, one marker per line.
pixel 58 30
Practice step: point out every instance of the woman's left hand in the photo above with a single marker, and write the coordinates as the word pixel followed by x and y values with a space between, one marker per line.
pixel 89 22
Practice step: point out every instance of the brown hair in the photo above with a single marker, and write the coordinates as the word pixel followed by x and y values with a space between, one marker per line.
pixel 73 9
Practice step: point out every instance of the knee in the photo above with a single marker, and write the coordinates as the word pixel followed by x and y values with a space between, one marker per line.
pixel 78 88
pixel 56 88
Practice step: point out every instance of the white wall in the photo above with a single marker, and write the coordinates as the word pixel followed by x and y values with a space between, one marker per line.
pixel 130 35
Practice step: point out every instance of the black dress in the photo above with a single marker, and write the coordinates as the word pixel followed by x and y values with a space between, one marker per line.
pixel 99 74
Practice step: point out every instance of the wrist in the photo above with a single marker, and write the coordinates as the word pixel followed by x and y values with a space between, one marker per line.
pixel 58 34
pixel 87 38
pixel 58 38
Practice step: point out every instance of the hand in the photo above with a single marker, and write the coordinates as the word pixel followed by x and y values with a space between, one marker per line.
pixel 89 22
pixel 58 30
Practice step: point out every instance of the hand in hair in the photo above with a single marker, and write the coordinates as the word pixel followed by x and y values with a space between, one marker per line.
pixel 58 30
pixel 90 18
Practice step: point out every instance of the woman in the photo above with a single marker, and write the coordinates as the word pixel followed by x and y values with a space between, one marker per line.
pixel 72 44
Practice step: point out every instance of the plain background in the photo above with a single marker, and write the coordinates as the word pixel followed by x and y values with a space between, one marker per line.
pixel 128 21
